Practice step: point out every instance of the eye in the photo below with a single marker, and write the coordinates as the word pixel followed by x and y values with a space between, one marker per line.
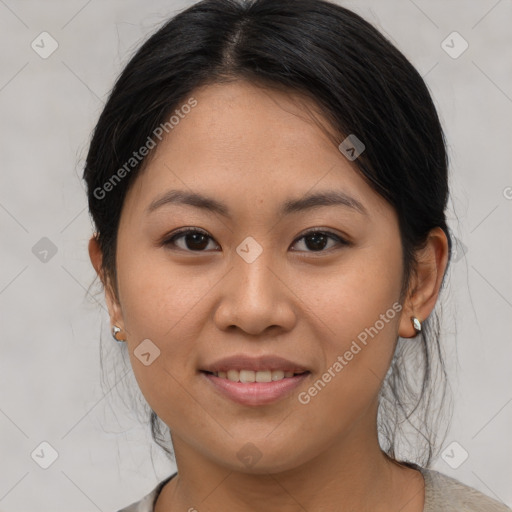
pixel 195 240
pixel 316 240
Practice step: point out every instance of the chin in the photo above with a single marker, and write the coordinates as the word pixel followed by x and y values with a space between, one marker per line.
pixel 261 457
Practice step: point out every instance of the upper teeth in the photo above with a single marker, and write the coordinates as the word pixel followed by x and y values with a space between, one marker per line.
pixel 252 376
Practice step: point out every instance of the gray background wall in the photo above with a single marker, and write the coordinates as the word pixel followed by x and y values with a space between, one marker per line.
pixel 50 380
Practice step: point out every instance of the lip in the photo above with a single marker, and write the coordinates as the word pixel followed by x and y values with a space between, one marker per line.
pixel 255 393
pixel 245 362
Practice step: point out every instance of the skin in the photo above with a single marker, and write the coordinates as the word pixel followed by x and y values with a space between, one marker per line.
pixel 254 148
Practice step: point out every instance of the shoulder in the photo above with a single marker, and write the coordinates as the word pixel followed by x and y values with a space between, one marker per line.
pixel 147 503
pixel 443 493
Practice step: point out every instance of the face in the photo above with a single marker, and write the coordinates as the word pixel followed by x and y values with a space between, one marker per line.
pixel 268 282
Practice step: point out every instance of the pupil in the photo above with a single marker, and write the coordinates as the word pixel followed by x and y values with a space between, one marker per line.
pixel 196 239
pixel 319 241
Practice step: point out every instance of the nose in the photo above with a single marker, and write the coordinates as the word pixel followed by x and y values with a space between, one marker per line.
pixel 256 297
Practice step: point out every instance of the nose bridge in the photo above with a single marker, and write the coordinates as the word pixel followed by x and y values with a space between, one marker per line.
pixel 255 281
pixel 255 298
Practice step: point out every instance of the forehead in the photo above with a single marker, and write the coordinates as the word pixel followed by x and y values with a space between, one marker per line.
pixel 243 142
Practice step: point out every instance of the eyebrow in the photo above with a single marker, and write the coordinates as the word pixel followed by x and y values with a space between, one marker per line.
pixel 319 199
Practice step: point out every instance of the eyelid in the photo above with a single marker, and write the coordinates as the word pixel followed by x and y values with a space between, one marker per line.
pixel 188 229
pixel 324 231
pixel 342 240
pixel 168 240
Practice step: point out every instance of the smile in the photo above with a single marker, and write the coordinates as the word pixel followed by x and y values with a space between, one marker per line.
pixel 255 376
pixel 278 386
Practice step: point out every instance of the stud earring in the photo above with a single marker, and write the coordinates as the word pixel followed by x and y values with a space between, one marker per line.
pixel 115 331
pixel 416 324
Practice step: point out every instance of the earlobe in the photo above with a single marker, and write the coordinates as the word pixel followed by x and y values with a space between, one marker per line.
pixel 425 282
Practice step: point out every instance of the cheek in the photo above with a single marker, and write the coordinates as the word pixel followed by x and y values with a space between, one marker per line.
pixel 163 304
pixel 352 296
pixel 157 296
pixel 359 312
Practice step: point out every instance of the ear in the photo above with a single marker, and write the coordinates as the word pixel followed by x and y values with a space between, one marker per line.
pixel 425 282
pixel 114 308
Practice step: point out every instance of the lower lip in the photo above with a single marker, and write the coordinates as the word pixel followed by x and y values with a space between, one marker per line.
pixel 256 393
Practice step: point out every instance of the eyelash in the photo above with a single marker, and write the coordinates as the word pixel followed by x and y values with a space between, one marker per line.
pixel 186 231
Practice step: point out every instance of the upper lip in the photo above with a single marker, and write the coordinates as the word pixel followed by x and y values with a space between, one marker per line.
pixel 245 362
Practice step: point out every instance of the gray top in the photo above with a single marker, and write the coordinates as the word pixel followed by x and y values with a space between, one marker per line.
pixel 442 494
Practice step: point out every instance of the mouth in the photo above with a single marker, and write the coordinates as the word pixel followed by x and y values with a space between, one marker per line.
pixel 253 381
pixel 254 388
pixel 248 376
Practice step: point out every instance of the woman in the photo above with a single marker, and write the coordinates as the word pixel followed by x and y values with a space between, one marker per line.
pixel 268 182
